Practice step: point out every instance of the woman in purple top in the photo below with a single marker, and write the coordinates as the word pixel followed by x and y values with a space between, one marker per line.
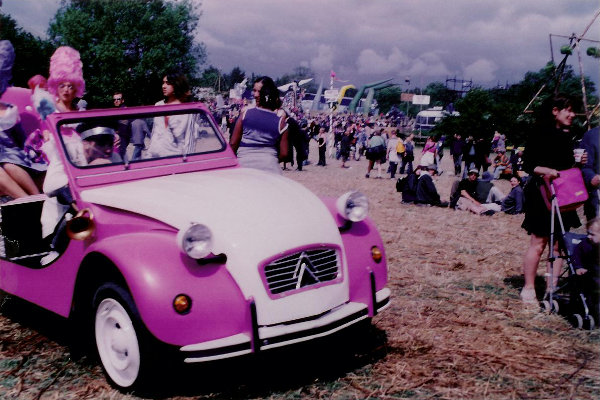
pixel 260 137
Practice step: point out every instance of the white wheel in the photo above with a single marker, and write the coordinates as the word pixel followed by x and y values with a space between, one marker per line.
pixel 546 306
pixel 117 342
pixel 577 321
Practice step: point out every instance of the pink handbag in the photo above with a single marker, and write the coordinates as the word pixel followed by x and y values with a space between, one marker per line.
pixel 570 190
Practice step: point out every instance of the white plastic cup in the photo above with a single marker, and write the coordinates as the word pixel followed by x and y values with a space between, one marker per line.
pixel 577 153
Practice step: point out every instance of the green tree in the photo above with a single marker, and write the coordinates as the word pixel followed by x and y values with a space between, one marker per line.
pixel 212 77
pixel 388 97
pixel 477 108
pixel 235 76
pixel 484 111
pixel 440 94
pixel 129 45
pixel 32 54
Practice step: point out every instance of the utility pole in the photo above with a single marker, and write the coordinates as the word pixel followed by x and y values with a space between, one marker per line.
pixel 331 76
pixel 407 81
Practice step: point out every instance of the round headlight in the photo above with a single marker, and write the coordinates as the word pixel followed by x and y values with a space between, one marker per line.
pixel 195 241
pixel 354 206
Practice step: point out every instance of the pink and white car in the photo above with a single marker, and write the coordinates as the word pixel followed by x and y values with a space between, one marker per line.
pixel 190 252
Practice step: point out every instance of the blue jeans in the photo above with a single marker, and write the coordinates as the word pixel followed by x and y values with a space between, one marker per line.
pixel 498 171
pixel 408 165
pixel 457 164
pixel 393 168
pixel 137 151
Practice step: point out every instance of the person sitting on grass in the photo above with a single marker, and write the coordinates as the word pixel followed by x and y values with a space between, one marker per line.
pixel 501 162
pixel 408 186
pixel 427 193
pixel 465 196
pixel 487 192
pixel 513 202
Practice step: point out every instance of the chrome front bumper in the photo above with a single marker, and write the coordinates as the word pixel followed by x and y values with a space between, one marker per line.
pixel 269 337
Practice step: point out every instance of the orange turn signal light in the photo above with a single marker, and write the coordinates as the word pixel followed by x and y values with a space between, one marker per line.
pixel 376 254
pixel 182 304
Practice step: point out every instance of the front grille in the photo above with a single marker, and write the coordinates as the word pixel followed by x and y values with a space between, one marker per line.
pixel 302 269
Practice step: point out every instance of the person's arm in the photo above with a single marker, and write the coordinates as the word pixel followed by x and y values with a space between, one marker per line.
pixel 284 141
pixel 466 195
pixel 589 169
pixel 545 171
pixel 578 256
pixel 236 136
pixel 99 161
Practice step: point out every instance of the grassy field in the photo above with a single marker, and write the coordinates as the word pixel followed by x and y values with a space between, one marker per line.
pixel 456 328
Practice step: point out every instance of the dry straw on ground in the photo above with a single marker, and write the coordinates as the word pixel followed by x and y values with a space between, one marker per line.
pixel 455 329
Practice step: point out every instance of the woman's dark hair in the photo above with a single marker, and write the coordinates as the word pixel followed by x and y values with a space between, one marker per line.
pixel 269 94
pixel 545 119
pixel 560 101
pixel 180 85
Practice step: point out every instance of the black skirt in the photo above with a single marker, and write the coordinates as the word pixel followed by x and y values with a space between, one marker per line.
pixel 537 216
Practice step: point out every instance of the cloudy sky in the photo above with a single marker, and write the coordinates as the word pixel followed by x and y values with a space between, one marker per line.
pixel 490 42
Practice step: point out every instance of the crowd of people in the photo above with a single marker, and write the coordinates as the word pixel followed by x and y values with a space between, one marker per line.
pixel 548 151
pixel 264 135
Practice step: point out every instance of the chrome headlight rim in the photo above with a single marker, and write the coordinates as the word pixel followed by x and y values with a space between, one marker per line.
pixel 353 206
pixel 196 241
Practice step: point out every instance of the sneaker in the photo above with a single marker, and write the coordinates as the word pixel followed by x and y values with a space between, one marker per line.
pixel 367 175
pixel 48 258
pixel 528 296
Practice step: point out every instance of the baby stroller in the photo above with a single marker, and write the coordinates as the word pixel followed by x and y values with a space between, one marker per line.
pixel 568 296
pixel 586 283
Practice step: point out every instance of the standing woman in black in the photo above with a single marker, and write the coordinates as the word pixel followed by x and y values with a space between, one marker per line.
pixel 547 152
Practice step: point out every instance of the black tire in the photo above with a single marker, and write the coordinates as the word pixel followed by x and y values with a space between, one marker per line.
pixel 576 321
pixel 589 323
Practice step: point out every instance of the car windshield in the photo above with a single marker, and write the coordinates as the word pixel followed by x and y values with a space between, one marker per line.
pixel 106 140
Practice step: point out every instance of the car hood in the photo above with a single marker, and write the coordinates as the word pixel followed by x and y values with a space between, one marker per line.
pixel 253 215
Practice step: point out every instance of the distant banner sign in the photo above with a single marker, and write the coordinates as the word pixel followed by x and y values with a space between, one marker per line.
pixel 420 99
pixel 331 94
pixel 406 96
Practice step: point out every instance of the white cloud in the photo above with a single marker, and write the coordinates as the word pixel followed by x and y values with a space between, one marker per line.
pixel 370 62
pixel 366 41
pixel 481 70
pixel 324 59
pixel 428 65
